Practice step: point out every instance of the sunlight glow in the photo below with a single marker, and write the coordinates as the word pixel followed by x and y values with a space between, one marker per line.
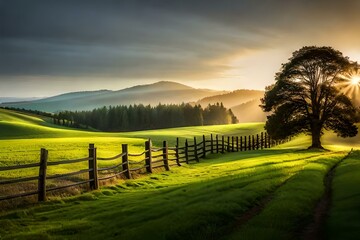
pixel 350 86
pixel 355 80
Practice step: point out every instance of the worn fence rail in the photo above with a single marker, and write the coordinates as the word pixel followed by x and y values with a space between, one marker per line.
pixel 129 163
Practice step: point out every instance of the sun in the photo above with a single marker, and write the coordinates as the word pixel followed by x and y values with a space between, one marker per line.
pixel 355 80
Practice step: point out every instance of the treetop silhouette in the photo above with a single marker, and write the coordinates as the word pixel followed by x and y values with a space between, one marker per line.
pixel 306 98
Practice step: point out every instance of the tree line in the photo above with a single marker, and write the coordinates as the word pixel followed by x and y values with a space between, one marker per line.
pixel 141 117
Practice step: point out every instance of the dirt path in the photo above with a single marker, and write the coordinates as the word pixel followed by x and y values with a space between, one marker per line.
pixel 256 209
pixel 315 229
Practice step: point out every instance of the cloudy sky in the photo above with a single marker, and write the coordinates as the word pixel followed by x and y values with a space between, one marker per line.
pixel 49 47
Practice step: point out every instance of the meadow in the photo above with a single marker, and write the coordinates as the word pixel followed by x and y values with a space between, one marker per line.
pixel 264 194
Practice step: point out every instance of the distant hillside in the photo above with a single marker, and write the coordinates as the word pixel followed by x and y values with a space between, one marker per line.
pixel 249 112
pixel 15 99
pixel 244 104
pixel 160 92
pixel 232 99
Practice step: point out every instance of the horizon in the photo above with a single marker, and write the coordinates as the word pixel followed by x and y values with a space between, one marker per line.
pixel 51 48
pixel 115 90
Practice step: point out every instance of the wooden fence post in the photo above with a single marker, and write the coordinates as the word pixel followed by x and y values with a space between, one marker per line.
pixel 237 144
pixel 186 151
pixel 177 152
pixel 265 140
pixel 257 142
pixel 232 144
pixel 228 144
pixel 166 156
pixel 245 146
pixel 204 147
pixel 211 144
pixel 42 175
pixel 253 142
pixel 148 156
pixel 93 173
pixel 262 140
pixel 195 150
pixel 125 161
pixel 217 143
pixel 222 144
pixel 241 143
pixel 249 143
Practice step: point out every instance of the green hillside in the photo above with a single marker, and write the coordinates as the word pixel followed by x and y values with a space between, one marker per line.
pixel 22 136
pixel 213 199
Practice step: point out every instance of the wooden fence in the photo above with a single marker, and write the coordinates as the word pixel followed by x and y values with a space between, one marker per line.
pixel 151 158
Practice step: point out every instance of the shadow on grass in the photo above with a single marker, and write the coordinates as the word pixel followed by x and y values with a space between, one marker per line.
pixel 201 210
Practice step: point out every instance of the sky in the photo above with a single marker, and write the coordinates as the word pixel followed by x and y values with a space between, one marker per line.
pixel 50 47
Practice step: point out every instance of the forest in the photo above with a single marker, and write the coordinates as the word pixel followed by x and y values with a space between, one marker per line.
pixel 141 117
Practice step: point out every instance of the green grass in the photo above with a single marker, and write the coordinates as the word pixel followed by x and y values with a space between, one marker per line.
pixel 344 217
pixel 22 136
pixel 292 204
pixel 196 201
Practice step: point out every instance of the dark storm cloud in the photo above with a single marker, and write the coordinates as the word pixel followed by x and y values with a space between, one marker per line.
pixel 126 39
pixel 147 39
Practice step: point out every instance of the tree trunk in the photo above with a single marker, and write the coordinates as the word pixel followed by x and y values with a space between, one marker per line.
pixel 316 134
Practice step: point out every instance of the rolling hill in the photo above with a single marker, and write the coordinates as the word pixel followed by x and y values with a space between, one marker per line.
pixel 16 99
pixel 160 92
pixel 286 175
pixel 249 112
pixel 233 98
pixel 244 104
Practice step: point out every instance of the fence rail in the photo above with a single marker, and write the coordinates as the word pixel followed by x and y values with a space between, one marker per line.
pixel 126 167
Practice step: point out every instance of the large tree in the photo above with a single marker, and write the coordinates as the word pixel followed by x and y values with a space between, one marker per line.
pixel 306 97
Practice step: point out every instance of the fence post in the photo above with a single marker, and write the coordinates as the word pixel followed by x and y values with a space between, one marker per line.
pixel 245 141
pixel 257 142
pixel 211 144
pixel 249 143
pixel 42 175
pixel 93 173
pixel 148 156
pixel 262 140
pixel 186 151
pixel 204 147
pixel 166 156
pixel 232 144
pixel 195 150
pixel 217 143
pixel 222 144
pixel 177 152
pixel 228 144
pixel 241 143
pixel 253 142
pixel 237 143
pixel 125 161
pixel 265 140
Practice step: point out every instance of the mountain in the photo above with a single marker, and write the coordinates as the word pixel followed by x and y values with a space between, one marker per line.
pixel 249 112
pixel 16 99
pixel 233 98
pixel 161 92
pixel 244 104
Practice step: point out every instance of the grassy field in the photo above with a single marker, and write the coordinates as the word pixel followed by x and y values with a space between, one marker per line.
pixel 198 201
pixel 207 200
pixel 344 217
pixel 22 136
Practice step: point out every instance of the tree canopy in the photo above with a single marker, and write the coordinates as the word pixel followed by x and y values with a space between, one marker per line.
pixel 306 97
pixel 140 117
